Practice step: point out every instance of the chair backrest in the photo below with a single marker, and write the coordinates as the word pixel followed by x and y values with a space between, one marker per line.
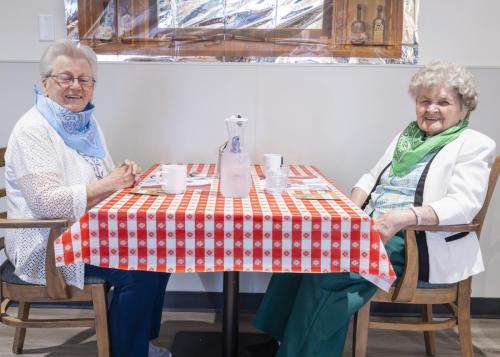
pixel 495 172
pixel 56 285
pixel 3 214
pixel 2 164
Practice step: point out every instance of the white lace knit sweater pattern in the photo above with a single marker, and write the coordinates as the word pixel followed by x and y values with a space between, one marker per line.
pixel 44 178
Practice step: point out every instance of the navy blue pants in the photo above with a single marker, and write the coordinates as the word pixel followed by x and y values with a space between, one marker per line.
pixel 134 314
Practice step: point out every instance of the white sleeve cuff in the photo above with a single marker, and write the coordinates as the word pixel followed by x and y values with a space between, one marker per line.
pixel 79 200
pixel 366 183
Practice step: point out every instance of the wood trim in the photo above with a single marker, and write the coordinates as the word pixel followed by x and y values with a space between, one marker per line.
pixel 101 319
pixel 449 228
pixel 33 223
pixel 422 296
pixel 429 336
pixel 495 172
pixel 415 326
pixel 56 286
pixel 407 285
pixel 22 315
pixel 45 323
pixel 2 156
pixel 463 318
pixel 361 319
pixel 38 293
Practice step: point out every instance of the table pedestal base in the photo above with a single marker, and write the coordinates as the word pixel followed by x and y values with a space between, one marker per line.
pixel 209 344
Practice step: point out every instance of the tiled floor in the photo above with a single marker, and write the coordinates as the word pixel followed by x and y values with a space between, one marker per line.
pixel 81 342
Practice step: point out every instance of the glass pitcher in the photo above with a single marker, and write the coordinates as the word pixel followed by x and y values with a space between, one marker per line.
pixel 235 178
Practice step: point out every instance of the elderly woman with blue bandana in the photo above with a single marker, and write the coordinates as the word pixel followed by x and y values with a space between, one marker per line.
pixel 435 171
pixel 57 165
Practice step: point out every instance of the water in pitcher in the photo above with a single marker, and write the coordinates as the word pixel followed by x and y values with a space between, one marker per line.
pixel 235 180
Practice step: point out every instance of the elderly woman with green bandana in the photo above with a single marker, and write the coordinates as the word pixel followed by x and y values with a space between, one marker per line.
pixel 434 172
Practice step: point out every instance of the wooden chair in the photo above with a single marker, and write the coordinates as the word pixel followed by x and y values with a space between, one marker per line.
pixel 412 291
pixel 14 289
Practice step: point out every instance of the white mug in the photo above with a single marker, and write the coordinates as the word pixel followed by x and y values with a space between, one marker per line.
pixel 272 162
pixel 173 178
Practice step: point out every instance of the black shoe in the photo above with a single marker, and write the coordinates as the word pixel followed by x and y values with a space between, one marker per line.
pixel 264 349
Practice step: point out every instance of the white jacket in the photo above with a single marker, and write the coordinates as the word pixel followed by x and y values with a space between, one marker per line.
pixel 455 188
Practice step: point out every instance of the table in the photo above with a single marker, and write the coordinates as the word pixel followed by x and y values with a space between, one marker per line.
pixel 201 231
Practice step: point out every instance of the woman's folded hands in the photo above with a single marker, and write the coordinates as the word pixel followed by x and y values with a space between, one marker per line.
pixel 125 175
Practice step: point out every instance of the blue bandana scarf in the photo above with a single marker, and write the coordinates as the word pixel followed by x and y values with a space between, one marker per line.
pixel 78 130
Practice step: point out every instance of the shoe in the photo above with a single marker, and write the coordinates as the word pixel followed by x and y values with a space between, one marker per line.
pixel 264 349
pixel 155 351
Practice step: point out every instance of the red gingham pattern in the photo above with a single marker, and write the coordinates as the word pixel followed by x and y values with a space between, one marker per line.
pixel 201 231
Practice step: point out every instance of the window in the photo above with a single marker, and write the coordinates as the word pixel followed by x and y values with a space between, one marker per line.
pixel 246 29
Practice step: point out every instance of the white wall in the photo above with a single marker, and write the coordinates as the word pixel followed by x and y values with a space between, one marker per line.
pixel 337 117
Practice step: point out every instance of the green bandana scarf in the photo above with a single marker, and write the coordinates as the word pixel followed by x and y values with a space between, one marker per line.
pixel 413 145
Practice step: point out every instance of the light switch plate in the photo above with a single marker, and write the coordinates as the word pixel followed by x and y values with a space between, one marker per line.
pixel 46 27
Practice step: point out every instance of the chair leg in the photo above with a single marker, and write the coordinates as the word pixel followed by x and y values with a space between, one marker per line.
pixel 101 320
pixel 20 334
pixel 429 336
pixel 463 318
pixel 360 331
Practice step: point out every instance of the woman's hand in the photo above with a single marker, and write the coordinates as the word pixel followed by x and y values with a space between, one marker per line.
pixel 123 176
pixel 392 222
pixel 388 224
pixel 136 169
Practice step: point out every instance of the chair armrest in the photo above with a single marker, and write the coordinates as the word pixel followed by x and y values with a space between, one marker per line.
pixel 449 228
pixel 56 286
pixel 33 223
pixel 405 289
pixel 407 285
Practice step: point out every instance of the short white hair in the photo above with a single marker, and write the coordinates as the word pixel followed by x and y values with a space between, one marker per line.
pixel 69 49
pixel 447 74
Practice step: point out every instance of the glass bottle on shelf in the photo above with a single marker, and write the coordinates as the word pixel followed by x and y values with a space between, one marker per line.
pixel 358 29
pixel 378 37
pixel 105 29
pixel 126 24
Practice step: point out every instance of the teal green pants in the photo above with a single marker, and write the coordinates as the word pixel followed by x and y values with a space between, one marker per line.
pixel 310 313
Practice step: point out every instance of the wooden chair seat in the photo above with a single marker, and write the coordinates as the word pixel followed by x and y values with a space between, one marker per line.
pixel 8 276
pixel 410 290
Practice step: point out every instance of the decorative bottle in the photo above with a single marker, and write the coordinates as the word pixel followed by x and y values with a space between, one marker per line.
pixel 358 29
pixel 379 27
pixel 235 178
pixel 126 25
pixel 105 30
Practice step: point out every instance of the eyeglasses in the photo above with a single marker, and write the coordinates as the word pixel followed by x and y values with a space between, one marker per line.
pixel 65 80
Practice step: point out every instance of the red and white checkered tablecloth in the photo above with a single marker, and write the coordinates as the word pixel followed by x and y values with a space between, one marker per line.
pixel 201 231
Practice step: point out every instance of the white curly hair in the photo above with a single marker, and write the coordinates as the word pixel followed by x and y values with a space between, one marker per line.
pixel 446 74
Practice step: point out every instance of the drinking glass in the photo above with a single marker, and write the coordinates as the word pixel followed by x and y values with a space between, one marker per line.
pixel 277 180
